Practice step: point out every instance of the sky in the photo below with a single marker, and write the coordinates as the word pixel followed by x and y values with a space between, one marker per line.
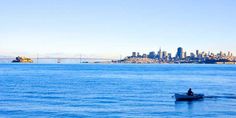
pixel 114 28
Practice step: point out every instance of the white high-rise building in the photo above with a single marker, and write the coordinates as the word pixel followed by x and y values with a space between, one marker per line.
pixel 160 54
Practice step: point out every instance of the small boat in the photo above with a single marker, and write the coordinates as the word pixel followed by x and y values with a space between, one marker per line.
pixel 185 97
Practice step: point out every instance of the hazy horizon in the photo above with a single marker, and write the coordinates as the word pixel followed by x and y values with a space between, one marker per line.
pixel 115 28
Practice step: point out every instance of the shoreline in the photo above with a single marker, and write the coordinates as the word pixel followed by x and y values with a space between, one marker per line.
pixel 119 63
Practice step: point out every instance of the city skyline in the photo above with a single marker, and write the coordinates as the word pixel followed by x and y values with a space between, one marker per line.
pixel 180 53
pixel 181 56
pixel 112 28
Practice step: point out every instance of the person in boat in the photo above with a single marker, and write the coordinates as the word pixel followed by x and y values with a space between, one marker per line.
pixel 190 93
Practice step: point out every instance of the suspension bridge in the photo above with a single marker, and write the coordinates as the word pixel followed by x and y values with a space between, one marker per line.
pixel 61 59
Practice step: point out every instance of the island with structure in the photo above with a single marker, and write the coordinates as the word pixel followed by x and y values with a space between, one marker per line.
pixel 20 59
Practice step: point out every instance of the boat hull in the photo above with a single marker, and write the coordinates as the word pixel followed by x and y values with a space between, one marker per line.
pixel 185 97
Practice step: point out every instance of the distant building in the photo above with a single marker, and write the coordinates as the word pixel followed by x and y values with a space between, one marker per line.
pixel 164 55
pixel 138 55
pixel 221 53
pixel 209 53
pixel 185 55
pixel 133 54
pixel 212 54
pixel 192 55
pixel 197 53
pixel 169 56
pixel 160 54
pixel 179 53
pixel 229 53
pixel 151 55
pixel 204 54
pixel 144 56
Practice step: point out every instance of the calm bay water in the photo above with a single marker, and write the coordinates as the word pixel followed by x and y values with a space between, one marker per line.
pixel 115 90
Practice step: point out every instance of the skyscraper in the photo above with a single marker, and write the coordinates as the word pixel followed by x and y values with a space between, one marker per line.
pixel 151 55
pixel 228 53
pixel 179 53
pixel 185 55
pixel 164 54
pixel 192 55
pixel 160 54
pixel 138 55
pixel 197 53
pixel 169 56
pixel 133 54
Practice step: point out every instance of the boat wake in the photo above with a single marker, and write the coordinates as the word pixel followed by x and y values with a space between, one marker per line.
pixel 224 96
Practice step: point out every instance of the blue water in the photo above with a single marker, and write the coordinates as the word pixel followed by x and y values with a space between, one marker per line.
pixel 115 90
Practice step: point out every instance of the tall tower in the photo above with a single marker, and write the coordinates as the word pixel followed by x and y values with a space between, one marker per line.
pixel 185 54
pixel 180 53
pixel 197 53
pixel 160 54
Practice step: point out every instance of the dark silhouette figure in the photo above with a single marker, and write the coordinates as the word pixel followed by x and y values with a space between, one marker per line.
pixel 190 93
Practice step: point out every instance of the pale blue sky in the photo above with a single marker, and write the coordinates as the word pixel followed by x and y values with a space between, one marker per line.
pixel 115 27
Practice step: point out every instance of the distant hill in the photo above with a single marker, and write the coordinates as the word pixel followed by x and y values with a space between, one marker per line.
pixel 3 56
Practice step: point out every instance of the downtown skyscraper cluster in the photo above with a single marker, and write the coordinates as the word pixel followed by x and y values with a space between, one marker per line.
pixel 180 57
